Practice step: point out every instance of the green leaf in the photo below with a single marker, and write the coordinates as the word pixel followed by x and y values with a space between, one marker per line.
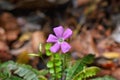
pixel 57 56
pixel 43 72
pixel 54 65
pixel 50 64
pixel 76 68
pixel 48 53
pixel 88 59
pixel 51 70
pixel 47 46
pixel 79 66
pixel 59 75
pixel 86 73
pixel 58 69
pixel 18 72
pixel 58 63
pixel 104 78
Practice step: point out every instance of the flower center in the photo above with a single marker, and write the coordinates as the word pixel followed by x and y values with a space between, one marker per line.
pixel 60 40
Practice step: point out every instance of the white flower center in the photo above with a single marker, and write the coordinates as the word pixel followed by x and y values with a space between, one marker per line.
pixel 60 40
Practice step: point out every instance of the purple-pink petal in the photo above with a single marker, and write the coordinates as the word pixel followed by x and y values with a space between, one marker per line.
pixel 67 33
pixel 59 31
pixel 65 47
pixel 55 47
pixel 52 38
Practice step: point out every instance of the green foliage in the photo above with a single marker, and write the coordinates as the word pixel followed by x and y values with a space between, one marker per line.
pixel 79 66
pixel 104 78
pixel 88 59
pixel 86 73
pixel 14 71
pixel 58 63
pixel 48 53
pixel 47 48
pixel 54 66
pixel 5 77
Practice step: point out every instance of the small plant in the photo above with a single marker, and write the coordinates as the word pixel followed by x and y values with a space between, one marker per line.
pixel 60 65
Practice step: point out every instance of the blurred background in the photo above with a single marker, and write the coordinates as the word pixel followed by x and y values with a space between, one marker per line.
pixel 95 24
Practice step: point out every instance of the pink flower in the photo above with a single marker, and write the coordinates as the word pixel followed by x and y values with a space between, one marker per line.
pixel 59 39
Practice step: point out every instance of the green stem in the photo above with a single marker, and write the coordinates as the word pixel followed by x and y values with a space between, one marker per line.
pixel 54 67
pixel 64 66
